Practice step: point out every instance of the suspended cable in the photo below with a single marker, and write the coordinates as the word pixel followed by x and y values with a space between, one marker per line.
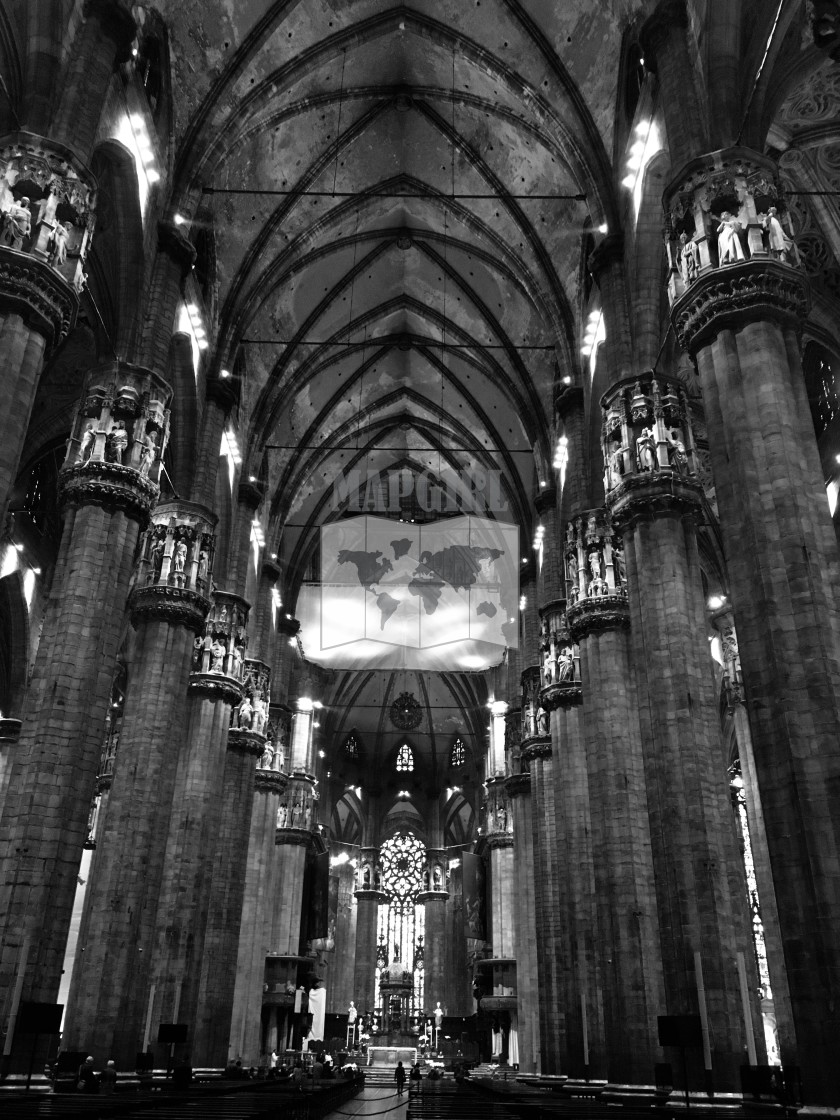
pixel 295 191
pixel 436 345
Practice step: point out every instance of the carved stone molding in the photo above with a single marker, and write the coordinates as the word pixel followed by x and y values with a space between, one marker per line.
pixel 296 837
pixel 176 605
pixel 42 297
pixel 110 485
pixel 609 251
pixel 287 626
pixel 499 840
pixel 518 784
pixel 433 896
pixel 652 494
pixel 591 616
pixel 246 742
pixel 216 686
pixel 116 21
pixel 545 499
pixel 250 494
pixel 372 896
pixel 736 294
pixel 535 748
pixel 270 781
pixel 562 695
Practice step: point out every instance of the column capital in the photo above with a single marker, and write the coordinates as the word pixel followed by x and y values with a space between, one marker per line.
pixel 653 494
pixel 288 626
pixel 244 741
pixel 270 781
pixel 223 391
pixel 270 570
pixel 562 694
pixel 736 294
pixel 40 295
pixel 538 746
pixel 593 616
pixel 176 605
pixel 250 494
pixel 518 785
pixel 216 686
pixel 567 398
pixel 111 486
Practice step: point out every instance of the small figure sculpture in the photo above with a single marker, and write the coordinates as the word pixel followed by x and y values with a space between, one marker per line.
pixel 615 465
pixel 366 878
pixel 729 242
pixel 677 453
pixel 57 244
pixel 543 722
pixel 147 454
pixel 245 713
pixel 689 258
pixel 566 665
pixel 426 879
pixel 198 647
pixel 217 657
pixel 18 224
pixel 574 593
pixel 202 567
pixel 258 718
pixel 646 451
pixel 598 586
pixel 618 566
pixel 778 242
pixel 116 442
pixel 156 557
pixel 86 444
pixel 437 881
pixel 352 1014
pixel 438 1016
pixel 236 662
pixel 267 757
pixel 282 812
pixel 501 818
pixel 180 559
pixel 594 559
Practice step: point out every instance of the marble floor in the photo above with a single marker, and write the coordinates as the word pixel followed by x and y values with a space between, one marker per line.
pixel 374 1100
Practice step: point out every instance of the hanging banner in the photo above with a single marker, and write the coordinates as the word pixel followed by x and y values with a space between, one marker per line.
pixel 442 595
pixel 318 924
pixel 475 896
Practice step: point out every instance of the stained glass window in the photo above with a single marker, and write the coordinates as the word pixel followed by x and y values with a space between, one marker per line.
pixel 458 754
pixel 402 920
pixel 405 758
pixel 351 745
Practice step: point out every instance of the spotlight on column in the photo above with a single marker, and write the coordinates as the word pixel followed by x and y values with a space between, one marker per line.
pixel 715 602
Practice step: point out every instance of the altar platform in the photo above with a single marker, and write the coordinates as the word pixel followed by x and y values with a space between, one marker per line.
pixel 390 1055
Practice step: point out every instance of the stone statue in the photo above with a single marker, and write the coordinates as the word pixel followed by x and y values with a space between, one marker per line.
pixel 366 878
pixel 147 454
pixel 646 451
pixel 202 566
pixel 180 559
pixel 437 1015
pixel 689 259
pixel 57 244
pixel 778 242
pixel 594 559
pixel 352 1014
pixel 618 566
pixel 282 813
pixel 235 659
pixel 729 243
pixel 198 647
pixel 267 757
pixel 116 442
pixel 18 223
pixel 245 712
pixel 566 665
pixel 677 453
pixel 156 557
pixel 574 593
pixel 598 586
pixel 86 444
pixel 259 716
pixel 616 464
pixel 217 657
pixel 437 880
pixel 543 722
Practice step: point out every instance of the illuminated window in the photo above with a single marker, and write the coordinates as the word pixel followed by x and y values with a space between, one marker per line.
pixel 351 746
pixel 458 754
pixel 401 922
pixel 405 759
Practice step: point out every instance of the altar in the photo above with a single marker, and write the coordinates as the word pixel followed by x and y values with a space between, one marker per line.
pixel 390 1055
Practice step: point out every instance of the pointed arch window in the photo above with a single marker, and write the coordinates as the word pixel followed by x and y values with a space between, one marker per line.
pixel 351 746
pixel 458 753
pixel 405 759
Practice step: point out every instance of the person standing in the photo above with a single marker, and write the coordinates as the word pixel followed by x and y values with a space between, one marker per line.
pixel 399 1077
pixel 108 1078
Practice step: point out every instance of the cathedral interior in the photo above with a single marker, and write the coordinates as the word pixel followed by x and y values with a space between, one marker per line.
pixel 419 461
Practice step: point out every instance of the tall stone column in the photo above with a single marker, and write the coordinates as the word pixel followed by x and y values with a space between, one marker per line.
pixel 434 898
pixel 38 291
pixel 111 996
pixel 628 929
pixel 246 745
pixel 518 788
pixel 552 944
pixel 741 321
pixel 215 689
pixel 255 931
pixel 106 493
pixel 580 980
pixel 653 505
pixel 369 897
